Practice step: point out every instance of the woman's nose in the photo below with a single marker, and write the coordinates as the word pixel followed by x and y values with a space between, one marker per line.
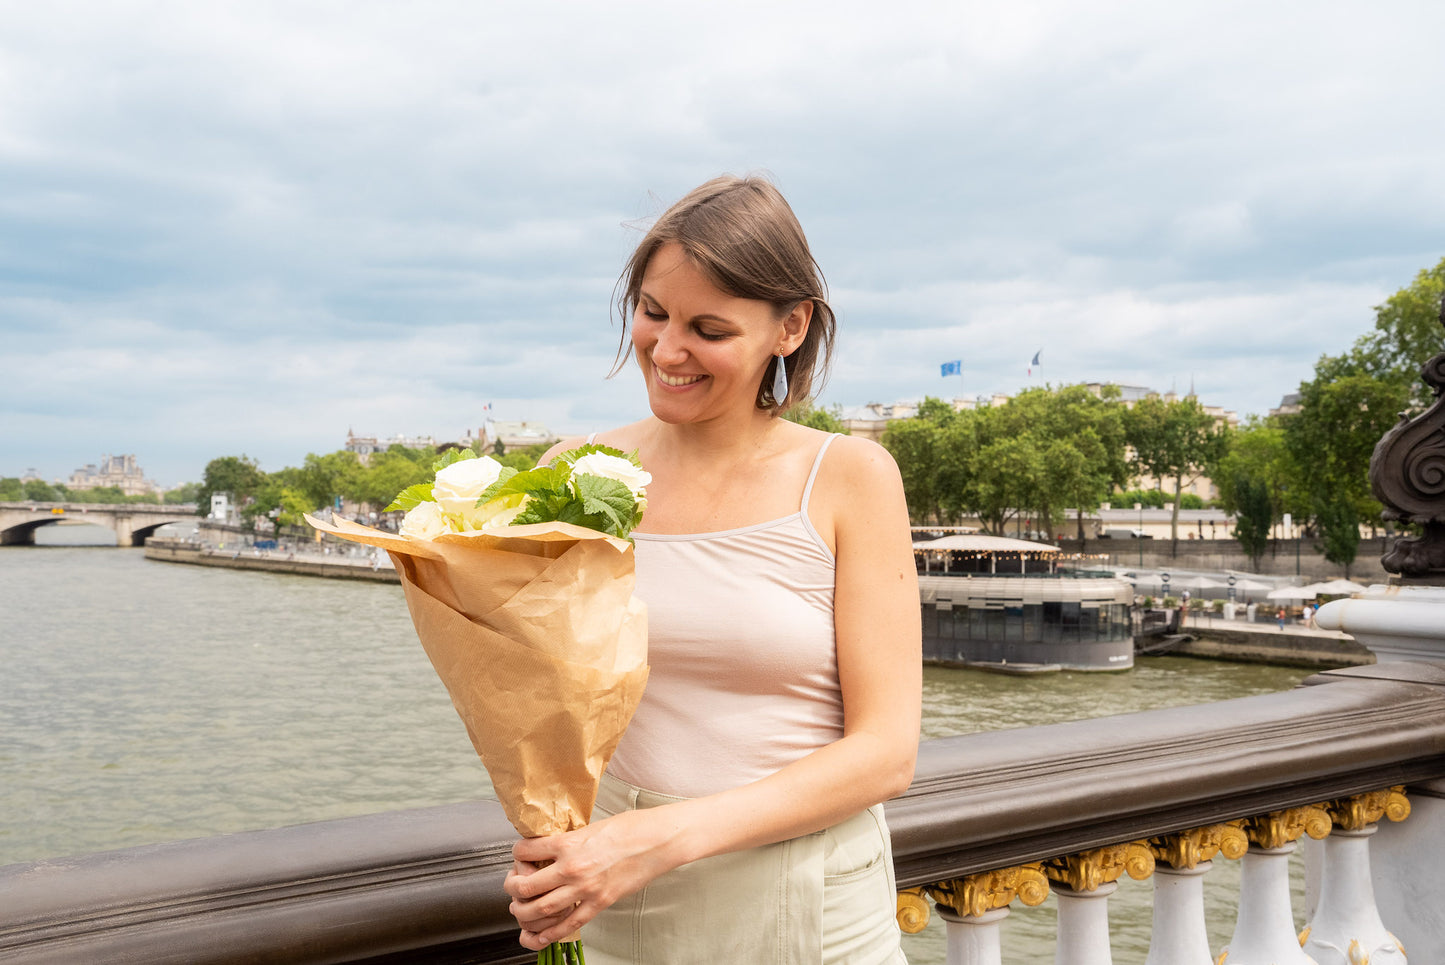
pixel 668 349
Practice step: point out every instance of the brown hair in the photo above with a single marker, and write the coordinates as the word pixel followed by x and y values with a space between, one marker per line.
pixel 742 235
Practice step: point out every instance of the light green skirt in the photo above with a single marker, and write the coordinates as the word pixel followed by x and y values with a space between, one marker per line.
pixel 827 897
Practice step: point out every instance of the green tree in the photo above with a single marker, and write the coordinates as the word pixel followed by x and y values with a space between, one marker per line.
pixel 1256 451
pixel 11 490
pixel 1343 413
pixel 828 420
pixel 43 492
pixel 1339 531
pixel 1173 441
pixel 915 445
pixel 525 458
pixel 388 473
pixel 323 478
pixel 1254 514
pixel 182 494
pixel 239 476
pixel 1407 331
pixel 281 504
pixel 935 451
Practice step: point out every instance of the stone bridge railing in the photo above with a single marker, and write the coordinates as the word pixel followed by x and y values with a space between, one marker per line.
pixel 991 819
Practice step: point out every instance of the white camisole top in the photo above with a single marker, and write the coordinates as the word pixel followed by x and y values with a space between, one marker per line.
pixel 744 672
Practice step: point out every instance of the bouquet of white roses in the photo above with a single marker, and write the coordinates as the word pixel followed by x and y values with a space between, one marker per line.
pixel 593 486
pixel 520 588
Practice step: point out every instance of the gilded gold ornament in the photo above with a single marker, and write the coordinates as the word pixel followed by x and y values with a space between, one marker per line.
pixel 913 913
pixel 973 895
pixel 1087 870
pixel 1186 849
pixel 1361 810
pixel 1278 828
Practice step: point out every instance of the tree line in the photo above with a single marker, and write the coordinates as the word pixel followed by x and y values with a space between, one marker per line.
pixel 14 489
pixel 285 495
pixel 1051 449
pixel 321 480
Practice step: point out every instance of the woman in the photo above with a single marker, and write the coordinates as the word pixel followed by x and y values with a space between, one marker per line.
pixel 739 814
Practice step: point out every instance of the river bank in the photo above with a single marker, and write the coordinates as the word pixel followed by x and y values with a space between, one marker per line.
pixel 1214 639
pixel 376 568
pixel 1295 645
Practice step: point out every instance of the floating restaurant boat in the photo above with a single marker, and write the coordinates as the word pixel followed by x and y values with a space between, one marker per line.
pixel 1004 604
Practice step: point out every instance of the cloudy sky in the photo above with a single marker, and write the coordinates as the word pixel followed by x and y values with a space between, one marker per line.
pixel 233 228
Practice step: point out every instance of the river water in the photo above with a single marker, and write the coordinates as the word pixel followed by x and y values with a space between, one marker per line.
pixel 144 702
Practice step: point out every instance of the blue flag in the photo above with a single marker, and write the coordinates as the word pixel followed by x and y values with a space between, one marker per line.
pixel 1036 357
pixel 953 368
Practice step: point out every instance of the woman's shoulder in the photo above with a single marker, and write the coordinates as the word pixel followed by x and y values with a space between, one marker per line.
pixel 623 437
pixel 853 458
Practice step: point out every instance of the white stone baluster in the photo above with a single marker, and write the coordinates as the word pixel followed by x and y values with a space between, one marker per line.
pixel 1083 937
pixel 1179 936
pixel 1264 933
pixel 973 939
pixel 1346 928
pixel 972 908
pixel 1083 883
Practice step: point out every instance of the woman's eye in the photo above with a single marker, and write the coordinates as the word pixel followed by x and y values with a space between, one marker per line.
pixel 656 316
pixel 712 336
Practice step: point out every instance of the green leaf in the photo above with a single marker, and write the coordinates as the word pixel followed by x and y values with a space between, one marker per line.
pixel 606 498
pixel 451 456
pixel 586 449
pixel 538 483
pixel 410 497
pixel 546 508
pixel 495 489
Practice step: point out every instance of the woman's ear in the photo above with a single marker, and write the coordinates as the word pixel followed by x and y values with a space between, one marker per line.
pixel 795 327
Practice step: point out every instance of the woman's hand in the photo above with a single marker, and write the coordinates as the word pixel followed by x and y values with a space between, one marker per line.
pixel 560 882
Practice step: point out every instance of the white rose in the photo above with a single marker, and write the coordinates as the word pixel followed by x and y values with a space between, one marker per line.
pixel 493 514
pixel 505 517
pixel 459 485
pixel 623 470
pixel 424 521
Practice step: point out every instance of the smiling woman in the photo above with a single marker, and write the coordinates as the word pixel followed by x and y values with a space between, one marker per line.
pixel 739 238
pixel 742 809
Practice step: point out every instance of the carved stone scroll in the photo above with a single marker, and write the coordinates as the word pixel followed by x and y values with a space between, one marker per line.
pixel 1407 474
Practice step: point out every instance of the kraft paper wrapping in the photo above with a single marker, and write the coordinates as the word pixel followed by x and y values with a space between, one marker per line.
pixel 542 647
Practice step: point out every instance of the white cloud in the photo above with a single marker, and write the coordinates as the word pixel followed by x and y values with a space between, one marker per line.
pixel 202 201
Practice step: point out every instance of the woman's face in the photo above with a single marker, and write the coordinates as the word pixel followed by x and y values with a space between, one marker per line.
pixel 702 351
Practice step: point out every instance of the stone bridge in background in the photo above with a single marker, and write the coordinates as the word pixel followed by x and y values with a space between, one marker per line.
pixel 133 522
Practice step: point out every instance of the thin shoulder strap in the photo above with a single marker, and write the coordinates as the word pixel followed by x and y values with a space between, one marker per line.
pixel 592 438
pixel 813 474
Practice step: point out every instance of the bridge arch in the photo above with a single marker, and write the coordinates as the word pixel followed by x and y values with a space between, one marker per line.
pixel 132 523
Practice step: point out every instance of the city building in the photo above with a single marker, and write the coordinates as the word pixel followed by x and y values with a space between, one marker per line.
pixel 512 436
pixel 364 446
pixel 118 471
pixel 1288 405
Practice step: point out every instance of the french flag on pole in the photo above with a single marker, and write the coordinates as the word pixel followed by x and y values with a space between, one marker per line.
pixel 952 368
pixel 1035 361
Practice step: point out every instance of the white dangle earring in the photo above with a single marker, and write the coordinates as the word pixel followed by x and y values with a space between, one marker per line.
pixel 780 381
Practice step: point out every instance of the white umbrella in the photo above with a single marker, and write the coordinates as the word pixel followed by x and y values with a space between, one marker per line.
pixel 1293 593
pixel 1250 586
pixel 1336 588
